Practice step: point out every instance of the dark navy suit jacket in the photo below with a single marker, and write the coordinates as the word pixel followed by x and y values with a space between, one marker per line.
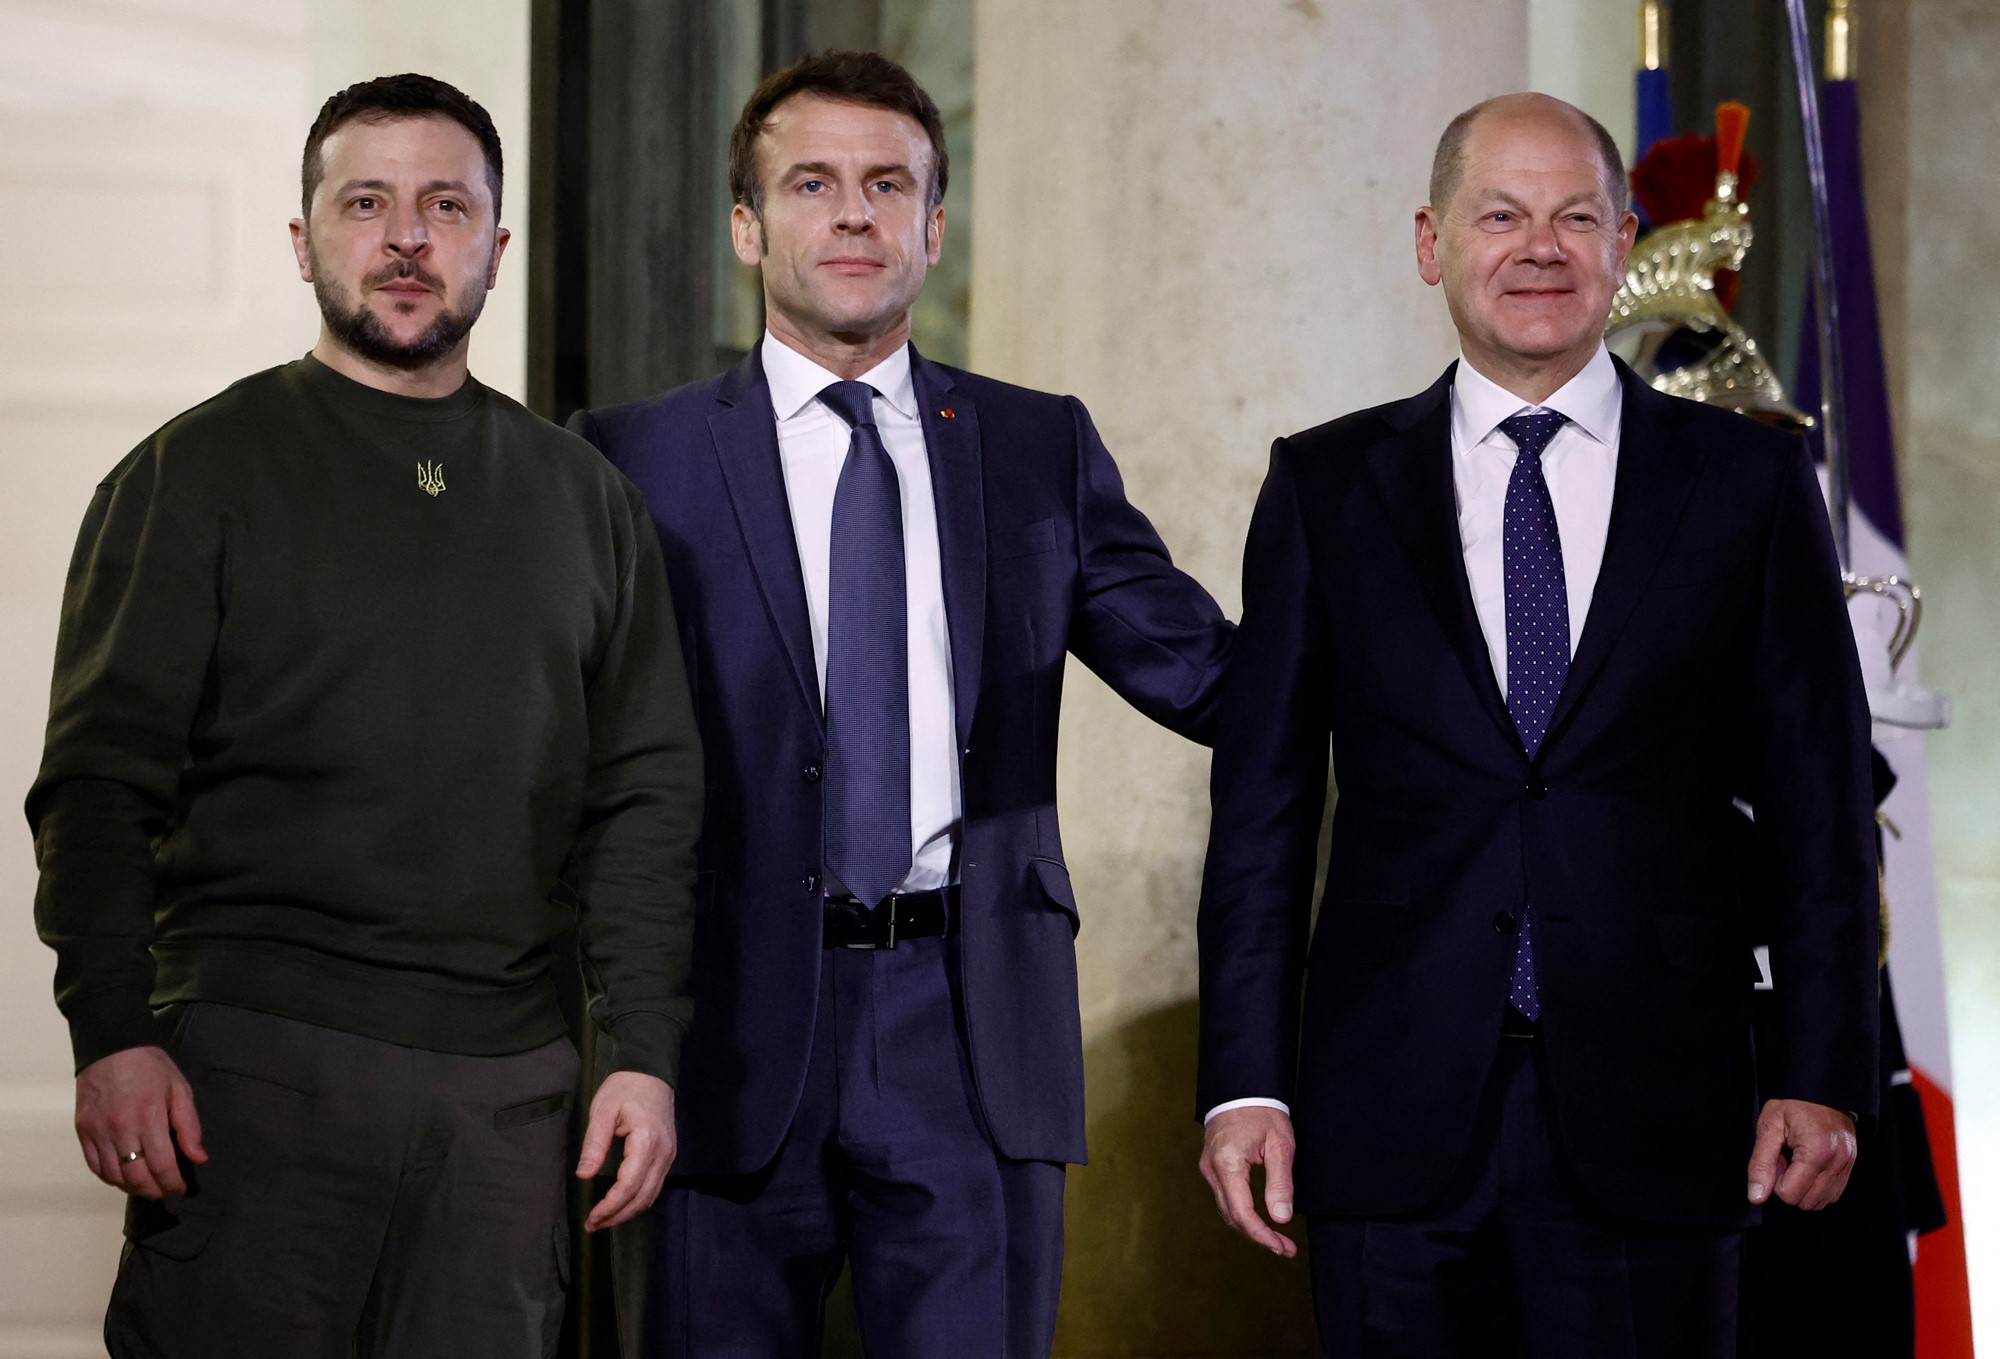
pixel 1715 662
pixel 1041 555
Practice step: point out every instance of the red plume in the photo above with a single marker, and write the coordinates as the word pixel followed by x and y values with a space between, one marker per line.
pixel 1732 122
pixel 1674 181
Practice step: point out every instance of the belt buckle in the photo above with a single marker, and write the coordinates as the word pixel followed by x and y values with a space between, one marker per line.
pixel 889 906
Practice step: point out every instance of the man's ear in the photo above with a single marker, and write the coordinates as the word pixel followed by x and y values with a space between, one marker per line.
pixel 500 238
pixel 1428 268
pixel 746 234
pixel 1628 232
pixel 302 248
pixel 934 236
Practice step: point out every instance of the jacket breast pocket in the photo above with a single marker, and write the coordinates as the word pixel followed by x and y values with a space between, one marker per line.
pixel 1013 541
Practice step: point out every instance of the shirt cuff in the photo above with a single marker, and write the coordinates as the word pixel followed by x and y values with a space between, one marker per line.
pixel 1252 1103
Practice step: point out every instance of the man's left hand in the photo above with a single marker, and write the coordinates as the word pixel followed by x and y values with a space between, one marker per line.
pixel 1804 1150
pixel 640 1109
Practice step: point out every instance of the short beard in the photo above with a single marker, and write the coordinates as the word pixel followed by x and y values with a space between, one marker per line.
pixel 360 330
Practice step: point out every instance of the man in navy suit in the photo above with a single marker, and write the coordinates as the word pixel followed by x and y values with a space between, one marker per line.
pixel 878 564
pixel 1550 624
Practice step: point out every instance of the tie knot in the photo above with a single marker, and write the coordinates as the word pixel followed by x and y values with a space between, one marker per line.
pixel 853 402
pixel 1532 430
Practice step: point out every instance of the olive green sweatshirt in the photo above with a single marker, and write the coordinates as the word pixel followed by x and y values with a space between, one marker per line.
pixel 360 702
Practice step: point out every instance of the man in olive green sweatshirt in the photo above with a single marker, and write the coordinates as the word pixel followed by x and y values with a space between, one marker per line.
pixel 367 689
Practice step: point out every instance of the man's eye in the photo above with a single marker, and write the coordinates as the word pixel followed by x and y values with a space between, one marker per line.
pixel 1501 217
pixel 364 204
pixel 447 205
pixel 886 186
pixel 812 186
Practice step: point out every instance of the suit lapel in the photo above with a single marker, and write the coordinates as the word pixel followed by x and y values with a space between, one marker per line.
pixel 1656 474
pixel 958 488
pixel 745 431
pixel 1412 471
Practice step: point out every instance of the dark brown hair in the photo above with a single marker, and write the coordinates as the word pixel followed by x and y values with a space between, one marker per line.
pixel 399 96
pixel 1448 165
pixel 852 77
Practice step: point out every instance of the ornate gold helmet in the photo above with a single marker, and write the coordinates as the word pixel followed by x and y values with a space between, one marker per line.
pixel 1667 321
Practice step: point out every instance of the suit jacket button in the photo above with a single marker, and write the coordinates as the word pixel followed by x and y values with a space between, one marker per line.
pixel 811 772
pixel 1505 922
pixel 1536 789
pixel 809 882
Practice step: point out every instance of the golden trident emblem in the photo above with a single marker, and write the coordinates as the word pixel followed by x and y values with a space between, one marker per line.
pixel 430 476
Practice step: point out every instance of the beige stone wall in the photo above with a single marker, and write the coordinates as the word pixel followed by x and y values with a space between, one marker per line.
pixel 1196 217
pixel 1946 325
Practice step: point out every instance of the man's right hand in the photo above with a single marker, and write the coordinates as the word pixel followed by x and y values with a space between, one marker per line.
pixel 137 1100
pixel 1237 1139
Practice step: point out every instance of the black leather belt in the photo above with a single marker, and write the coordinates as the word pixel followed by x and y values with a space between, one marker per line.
pixel 851 923
pixel 1514 1024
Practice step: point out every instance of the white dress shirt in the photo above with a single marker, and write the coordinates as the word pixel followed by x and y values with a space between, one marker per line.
pixel 1581 467
pixel 812 446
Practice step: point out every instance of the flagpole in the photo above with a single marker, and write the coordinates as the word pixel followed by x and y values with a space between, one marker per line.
pixel 1833 411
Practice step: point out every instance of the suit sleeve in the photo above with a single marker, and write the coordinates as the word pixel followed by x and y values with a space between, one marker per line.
pixel 1142 625
pixel 140 615
pixel 1815 823
pixel 1267 792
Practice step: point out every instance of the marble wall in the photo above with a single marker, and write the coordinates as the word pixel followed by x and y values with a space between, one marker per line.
pixel 1198 219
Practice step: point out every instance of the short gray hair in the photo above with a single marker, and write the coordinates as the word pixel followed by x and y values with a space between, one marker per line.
pixel 1448 165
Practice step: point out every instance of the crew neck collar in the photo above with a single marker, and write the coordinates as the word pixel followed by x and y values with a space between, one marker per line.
pixel 339 387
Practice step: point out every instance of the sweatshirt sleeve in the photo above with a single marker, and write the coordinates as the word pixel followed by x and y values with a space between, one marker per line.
pixel 140 613
pixel 633 865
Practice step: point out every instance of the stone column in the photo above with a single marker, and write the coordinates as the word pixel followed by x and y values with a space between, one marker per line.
pixel 1198 218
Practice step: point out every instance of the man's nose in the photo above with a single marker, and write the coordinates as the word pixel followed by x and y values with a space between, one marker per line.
pixel 405 232
pixel 853 211
pixel 1543 244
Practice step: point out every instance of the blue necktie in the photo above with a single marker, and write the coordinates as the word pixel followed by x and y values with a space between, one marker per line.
pixel 1537 627
pixel 867 663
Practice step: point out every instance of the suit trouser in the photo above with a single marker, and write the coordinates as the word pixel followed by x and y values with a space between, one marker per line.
pixel 955 1250
pixel 1513 1260
pixel 360 1199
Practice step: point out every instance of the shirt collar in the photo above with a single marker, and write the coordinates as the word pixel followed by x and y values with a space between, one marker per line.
pixel 1593 400
pixel 796 380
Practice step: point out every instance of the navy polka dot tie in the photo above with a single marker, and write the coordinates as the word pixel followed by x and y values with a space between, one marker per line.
pixel 1537 627
pixel 867 663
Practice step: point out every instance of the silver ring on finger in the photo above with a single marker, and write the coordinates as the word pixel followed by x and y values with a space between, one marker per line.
pixel 129 1157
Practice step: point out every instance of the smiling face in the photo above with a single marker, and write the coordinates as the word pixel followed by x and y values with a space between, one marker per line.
pixel 846 232
pixel 1530 246
pixel 401 246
